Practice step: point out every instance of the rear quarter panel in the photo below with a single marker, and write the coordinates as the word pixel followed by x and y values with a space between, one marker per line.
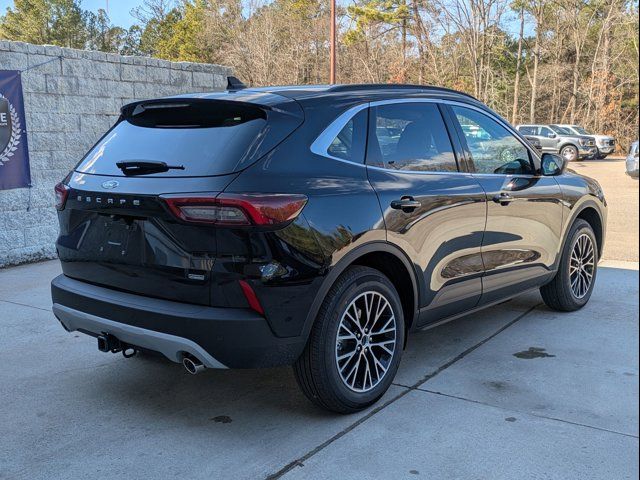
pixel 342 213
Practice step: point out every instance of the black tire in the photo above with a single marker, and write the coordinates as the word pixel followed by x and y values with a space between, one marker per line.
pixel 316 370
pixel 559 294
pixel 570 153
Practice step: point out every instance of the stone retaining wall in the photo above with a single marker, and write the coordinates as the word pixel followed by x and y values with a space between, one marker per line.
pixel 69 103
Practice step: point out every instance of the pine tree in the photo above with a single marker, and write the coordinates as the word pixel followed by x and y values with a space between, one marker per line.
pixel 55 22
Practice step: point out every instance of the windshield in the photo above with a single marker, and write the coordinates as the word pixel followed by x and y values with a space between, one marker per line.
pixel 561 130
pixel 580 130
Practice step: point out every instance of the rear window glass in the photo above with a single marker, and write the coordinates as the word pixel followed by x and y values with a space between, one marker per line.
pixel 206 138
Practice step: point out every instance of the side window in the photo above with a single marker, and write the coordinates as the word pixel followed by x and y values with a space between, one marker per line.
pixel 493 148
pixel 349 144
pixel 546 132
pixel 528 130
pixel 409 136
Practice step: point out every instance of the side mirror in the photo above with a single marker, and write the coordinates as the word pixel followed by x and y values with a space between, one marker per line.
pixel 552 165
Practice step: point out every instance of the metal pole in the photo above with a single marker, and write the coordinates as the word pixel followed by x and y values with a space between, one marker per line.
pixel 332 45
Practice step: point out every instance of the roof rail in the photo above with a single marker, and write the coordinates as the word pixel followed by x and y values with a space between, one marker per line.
pixel 393 86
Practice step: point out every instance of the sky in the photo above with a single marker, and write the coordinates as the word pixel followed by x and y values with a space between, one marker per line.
pixel 118 9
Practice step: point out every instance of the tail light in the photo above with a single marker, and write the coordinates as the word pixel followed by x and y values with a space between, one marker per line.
pixel 235 209
pixel 62 192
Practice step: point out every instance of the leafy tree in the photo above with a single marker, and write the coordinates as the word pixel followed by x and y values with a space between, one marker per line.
pixel 156 18
pixel 179 34
pixel 68 23
pixel 28 21
pixel 102 35
pixel 131 41
pixel 386 14
pixel 56 22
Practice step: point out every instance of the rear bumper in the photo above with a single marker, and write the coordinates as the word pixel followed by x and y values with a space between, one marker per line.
pixel 218 337
pixel 170 346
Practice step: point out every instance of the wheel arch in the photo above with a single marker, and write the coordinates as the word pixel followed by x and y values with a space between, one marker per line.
pixel 593 218
pixel 568 144
pixel 588 211
pixel 382 256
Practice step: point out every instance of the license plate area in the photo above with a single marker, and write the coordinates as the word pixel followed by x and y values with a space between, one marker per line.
pixel 120 239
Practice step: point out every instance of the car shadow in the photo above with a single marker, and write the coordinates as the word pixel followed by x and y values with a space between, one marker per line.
pixel 152 386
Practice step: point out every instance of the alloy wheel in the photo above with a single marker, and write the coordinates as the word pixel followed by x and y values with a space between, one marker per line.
pixel 365 341
pixel 569 154
pixel 582 266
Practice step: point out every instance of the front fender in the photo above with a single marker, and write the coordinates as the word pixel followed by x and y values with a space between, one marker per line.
pixel 579 194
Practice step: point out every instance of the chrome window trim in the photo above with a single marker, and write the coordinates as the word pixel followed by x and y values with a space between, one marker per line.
pixel 321 144
pixel 323 141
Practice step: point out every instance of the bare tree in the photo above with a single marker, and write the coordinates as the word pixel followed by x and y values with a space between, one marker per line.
pixel 516 83
pixel 561 60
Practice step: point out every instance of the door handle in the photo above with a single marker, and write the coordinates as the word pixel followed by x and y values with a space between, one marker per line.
pixel 503 199
pixel 407 204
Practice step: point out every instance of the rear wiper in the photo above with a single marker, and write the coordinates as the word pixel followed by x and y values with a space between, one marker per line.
pixel 144 168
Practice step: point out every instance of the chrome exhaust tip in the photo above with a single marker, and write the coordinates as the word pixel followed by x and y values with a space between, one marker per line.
pixel 192 365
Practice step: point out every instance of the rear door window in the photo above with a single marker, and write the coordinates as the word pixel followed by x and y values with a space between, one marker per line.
pixel 546 132
pixel 409 136
pixel 528 130
pixel 561 130
pixel 205 137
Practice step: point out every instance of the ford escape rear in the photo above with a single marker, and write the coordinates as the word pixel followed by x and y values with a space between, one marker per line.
pixel 314 226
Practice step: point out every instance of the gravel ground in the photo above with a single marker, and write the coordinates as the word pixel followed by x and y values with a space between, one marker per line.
pixel 621 192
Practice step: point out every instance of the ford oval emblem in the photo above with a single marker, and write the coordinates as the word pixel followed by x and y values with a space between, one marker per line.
pixel 110 185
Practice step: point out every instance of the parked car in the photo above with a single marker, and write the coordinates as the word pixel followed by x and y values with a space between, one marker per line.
pixel 605 144
pixel 316 226
pixel 535 142
pixel 556 139
pixel 632 160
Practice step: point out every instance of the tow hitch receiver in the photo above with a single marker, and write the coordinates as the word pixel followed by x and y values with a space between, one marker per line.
pixel 109 343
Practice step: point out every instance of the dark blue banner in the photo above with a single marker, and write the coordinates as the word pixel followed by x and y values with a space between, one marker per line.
pixel 14 154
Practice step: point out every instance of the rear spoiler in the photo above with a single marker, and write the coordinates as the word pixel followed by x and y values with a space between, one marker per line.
pixel 136 108
pixel 235 96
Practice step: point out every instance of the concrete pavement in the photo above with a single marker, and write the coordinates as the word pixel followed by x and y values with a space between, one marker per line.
pixel 517 391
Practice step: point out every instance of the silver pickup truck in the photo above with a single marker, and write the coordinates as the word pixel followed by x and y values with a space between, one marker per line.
pixel 556 139
pixel 606 144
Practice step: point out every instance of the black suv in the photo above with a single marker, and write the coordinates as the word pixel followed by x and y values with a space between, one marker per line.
pixel 314 226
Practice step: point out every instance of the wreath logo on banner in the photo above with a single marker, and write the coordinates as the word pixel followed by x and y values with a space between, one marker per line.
pixel 16 134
